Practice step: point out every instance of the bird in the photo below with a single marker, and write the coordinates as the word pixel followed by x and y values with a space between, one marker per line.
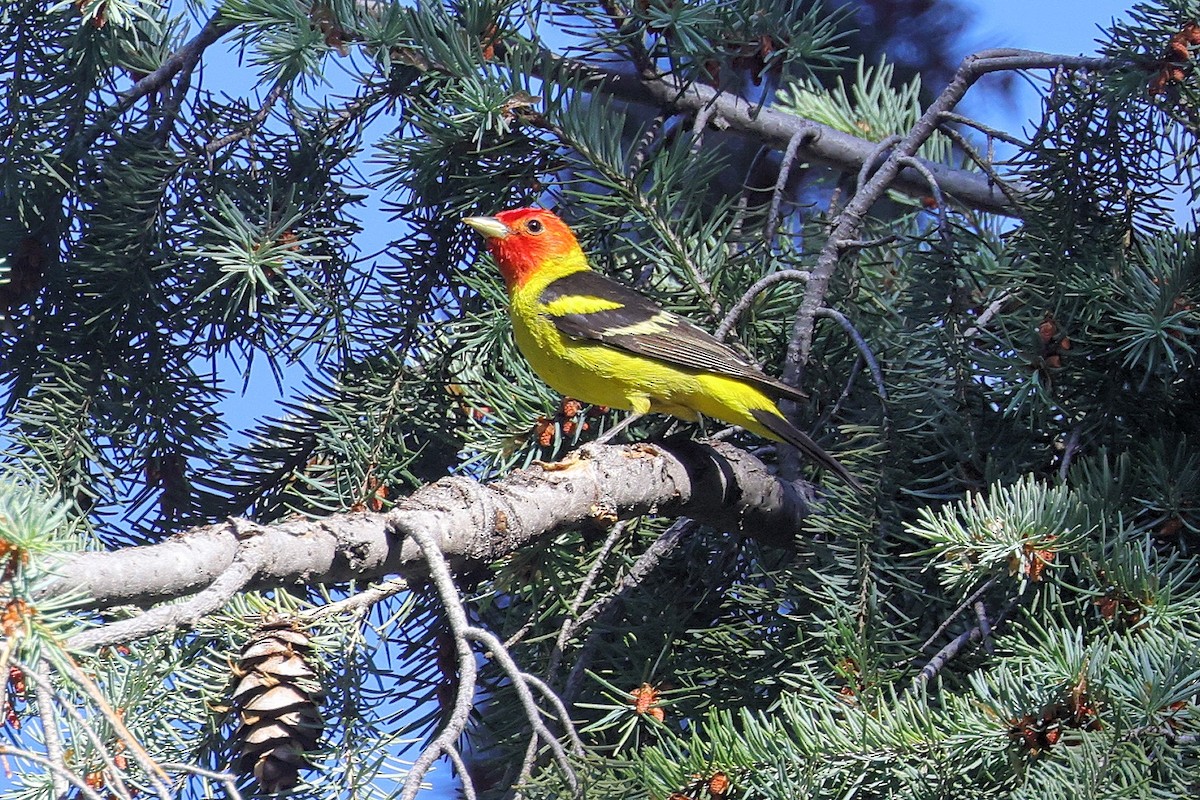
pixel 599 341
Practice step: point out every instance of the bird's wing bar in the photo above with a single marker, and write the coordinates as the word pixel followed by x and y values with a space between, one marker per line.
pixel 587 305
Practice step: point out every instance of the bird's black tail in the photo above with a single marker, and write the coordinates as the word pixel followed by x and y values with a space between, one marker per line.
pixel 800 440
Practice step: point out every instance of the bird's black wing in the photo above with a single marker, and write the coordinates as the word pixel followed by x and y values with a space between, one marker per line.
pixel 626 320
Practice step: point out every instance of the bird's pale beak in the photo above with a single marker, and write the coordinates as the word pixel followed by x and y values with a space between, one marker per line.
pixel 490 227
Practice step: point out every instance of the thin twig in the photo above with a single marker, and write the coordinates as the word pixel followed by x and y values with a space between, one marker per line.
pixel 153 771
pixel 847 387
pixel 985 626
pixel 871 163
pixel 359 601
pixel 988 313
pixel 522 681
pixel 1069 450
pixel 781 182
pixel 42 680
pixel 565 631
pixel 50 732
pixel 942 657
pixel 53 766
pixel 965 604
pixel 863 244
pixel 466 784
pixel 938 199
pixel 260 116
pixel 646 562
pixel 456 618
pixel 190 53
pixel 990 132
pixel 860 343
pixel 149 765
pixel 606 604
pixel 748 297
pixel 601 556
pixel 699 126
pixel 984 163
pixel 228 781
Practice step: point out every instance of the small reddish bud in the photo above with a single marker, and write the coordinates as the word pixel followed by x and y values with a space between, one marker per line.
pixel 1047 330
pixel 645 698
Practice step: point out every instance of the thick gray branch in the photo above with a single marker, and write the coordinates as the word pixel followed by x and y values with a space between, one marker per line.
pixel 812 140
pixel 717 484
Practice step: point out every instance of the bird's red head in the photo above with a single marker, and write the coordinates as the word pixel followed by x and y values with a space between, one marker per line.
pixel 525 241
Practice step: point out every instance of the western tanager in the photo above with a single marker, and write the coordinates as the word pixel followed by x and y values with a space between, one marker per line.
pixel 596 340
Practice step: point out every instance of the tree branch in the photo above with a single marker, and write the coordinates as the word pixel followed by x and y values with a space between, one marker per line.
pixel 812 140
pixel 717 484
pixel 891 174
pixel 182 60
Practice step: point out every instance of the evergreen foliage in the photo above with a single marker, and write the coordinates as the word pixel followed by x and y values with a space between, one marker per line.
pixel 1013 610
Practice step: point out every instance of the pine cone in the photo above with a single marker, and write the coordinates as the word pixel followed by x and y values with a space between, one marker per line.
pixel 276 699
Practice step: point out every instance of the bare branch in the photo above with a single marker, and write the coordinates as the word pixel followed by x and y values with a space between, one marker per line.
pixel 990 132
pixel 645 564
pixel 984 163
pixel 154 772
pixel 985 625
pixel 955 646
pixel 699 126
pixel 182 60
pixel 880 151
pixel 467 786
pixel 943 656
pixel 358 602
pixel 718 484
pixel 260 116
pixel 181 615
pixel 939 200
pixel 429 539
pixel 986 316
pixel 568 628
pixel 521 683
pixel 227 781
pixel 638 572
pixel 974 596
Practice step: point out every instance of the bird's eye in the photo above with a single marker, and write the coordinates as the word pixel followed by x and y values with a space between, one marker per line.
pixel 534 226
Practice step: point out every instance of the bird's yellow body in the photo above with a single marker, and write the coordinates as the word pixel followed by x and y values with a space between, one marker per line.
pixel 597 373
pixel 600 342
